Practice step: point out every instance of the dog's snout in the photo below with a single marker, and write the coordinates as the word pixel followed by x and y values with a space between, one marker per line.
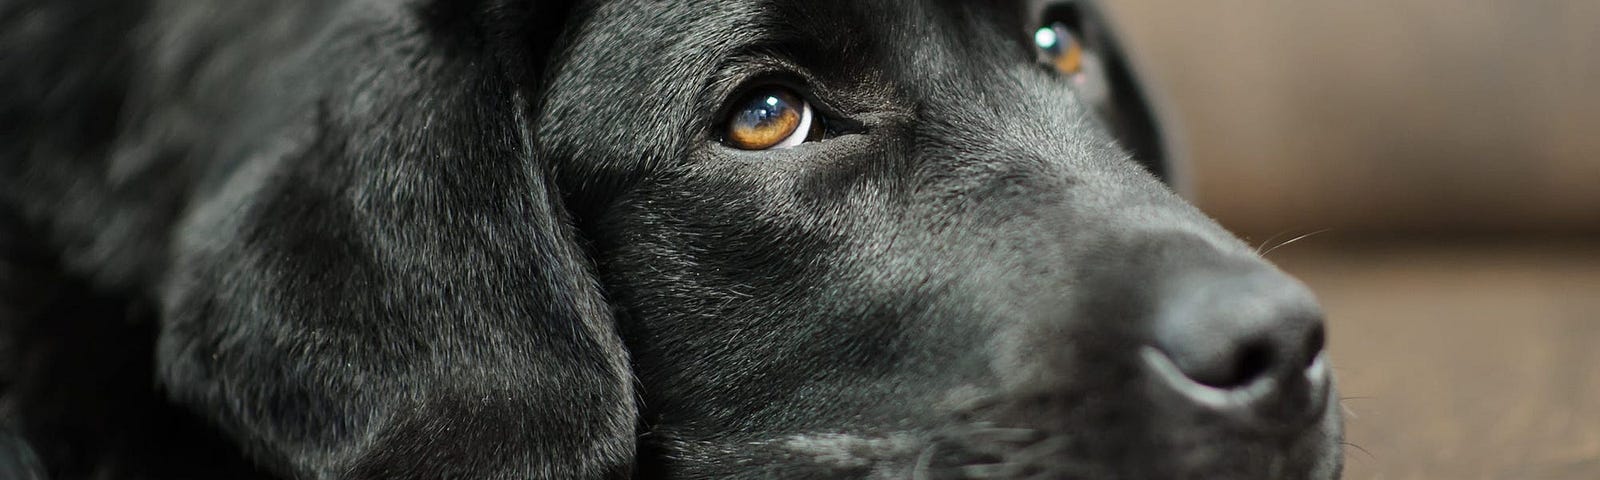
pixel 1246 344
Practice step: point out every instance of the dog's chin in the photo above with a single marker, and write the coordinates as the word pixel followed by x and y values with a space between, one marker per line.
pixel 1119 436
pixel 1309 454
pixel 984 450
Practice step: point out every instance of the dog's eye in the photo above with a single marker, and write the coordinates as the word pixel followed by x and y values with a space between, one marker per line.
pixel 1061 48
pixel 771 118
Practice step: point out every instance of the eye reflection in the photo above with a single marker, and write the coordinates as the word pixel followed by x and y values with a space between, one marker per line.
pixel 1046 38
pixel 1061 48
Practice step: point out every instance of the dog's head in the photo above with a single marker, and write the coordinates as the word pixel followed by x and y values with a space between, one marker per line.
pixel 776 239
pixel 884 238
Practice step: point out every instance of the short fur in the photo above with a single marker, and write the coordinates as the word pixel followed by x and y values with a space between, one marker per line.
pixel 499 239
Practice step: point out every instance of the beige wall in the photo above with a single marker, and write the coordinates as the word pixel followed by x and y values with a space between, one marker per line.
pixel 1418 116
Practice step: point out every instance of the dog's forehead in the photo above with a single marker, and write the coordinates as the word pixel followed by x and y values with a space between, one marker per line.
pixel 879 28
pixel 619 51
pixel 640 41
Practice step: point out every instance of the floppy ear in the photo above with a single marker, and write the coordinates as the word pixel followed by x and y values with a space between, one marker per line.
pixel 1125 105
pixel 386 284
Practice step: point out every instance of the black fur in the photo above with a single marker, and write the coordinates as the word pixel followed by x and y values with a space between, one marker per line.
pixel 499 239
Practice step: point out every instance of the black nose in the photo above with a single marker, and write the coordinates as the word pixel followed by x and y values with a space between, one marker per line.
pixel 1248 344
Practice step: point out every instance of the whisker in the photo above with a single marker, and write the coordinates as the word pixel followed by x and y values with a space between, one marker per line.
pixel 992 470
pixel 1009 435
pixel 924 462
pixel 1349 413
pixel 1295 239
pixel 1268 241
pixel 1042 450
pixel 979 404
pixel 1370 456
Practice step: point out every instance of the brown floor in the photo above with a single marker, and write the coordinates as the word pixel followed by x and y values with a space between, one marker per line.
pixel 1463 361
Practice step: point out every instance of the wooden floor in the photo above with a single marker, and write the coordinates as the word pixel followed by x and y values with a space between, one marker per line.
pixel 1463 361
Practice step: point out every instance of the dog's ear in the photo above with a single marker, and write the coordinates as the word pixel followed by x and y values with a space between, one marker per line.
pixel 389 285
pixel 1112 86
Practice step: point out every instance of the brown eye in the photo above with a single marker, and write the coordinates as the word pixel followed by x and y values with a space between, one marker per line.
pixel 770 118
pixel 1061 48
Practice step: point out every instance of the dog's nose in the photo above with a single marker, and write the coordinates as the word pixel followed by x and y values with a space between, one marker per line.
pixel 1249 345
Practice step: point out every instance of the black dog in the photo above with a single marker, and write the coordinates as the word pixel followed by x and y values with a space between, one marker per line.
pixel 497 239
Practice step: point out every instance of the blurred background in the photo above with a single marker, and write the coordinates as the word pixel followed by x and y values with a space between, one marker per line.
pixel 1444 155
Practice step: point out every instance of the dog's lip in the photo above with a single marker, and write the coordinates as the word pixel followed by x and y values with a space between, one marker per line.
pixel 1240 403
